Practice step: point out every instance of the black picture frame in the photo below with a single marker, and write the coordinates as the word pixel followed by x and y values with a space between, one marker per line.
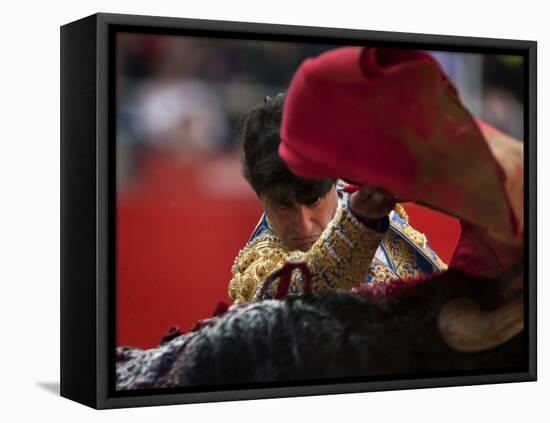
pixel 88 194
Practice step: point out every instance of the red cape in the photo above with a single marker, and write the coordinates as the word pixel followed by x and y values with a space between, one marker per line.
pixel 391 118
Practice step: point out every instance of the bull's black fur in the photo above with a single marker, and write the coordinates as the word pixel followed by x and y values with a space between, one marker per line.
pixel 334 334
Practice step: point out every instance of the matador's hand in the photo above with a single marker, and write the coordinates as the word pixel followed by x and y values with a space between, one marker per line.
pixel 371 203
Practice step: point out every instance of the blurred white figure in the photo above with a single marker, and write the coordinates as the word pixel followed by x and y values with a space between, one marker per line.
pixel 182 117
pixel 502 110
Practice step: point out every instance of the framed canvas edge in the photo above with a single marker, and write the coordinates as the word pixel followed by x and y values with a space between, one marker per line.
pixel 258 28
pixel 78 228
pixel 104 22
pixel 311 390
pixel 530 123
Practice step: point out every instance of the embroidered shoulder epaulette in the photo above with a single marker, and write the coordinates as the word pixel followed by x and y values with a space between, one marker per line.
pixel 400 223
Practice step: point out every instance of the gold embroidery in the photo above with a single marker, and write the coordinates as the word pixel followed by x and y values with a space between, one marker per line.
pixel 419 239
pixel 340 258
pixel 400 210
pixel 401 255
pixel 254 263
pixel 380 272
pixel 441 265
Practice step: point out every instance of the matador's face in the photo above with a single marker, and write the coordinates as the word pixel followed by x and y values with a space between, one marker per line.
pixel 300 225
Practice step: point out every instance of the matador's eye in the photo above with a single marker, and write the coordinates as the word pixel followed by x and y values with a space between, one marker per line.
pixel 283 206
pixel 314 202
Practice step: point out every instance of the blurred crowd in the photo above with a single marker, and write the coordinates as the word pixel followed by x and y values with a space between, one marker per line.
pixel 490 85
pixel 185 94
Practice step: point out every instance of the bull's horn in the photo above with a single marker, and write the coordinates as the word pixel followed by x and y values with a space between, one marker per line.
pixel 466 328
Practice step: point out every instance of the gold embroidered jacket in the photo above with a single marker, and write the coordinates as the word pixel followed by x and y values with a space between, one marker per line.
pixel 347 253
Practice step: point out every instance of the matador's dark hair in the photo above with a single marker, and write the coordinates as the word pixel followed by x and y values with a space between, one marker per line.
pixel 262 166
